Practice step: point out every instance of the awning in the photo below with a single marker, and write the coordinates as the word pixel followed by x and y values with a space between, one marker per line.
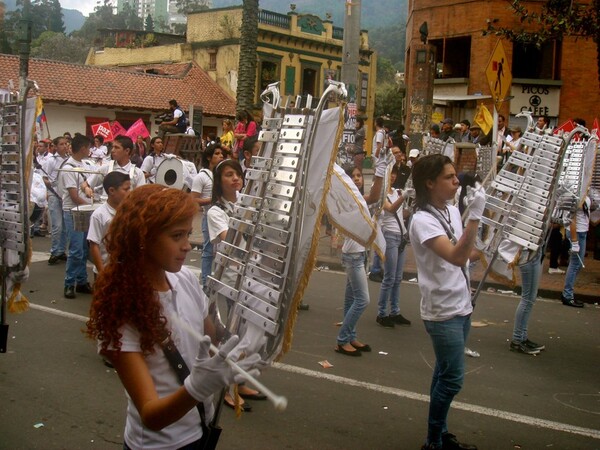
pixel 443 99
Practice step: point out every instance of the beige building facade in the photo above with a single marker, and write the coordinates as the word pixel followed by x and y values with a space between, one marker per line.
pixel 300 51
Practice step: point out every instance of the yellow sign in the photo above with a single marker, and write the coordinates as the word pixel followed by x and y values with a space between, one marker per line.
pixel 498 74
pixel 437 117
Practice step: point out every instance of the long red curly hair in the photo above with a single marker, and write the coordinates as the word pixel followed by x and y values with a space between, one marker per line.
pixel 123 293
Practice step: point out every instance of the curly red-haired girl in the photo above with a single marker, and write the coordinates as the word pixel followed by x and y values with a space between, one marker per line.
pixel 145 295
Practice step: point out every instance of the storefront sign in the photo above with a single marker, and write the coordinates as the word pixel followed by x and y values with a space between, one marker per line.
pixel 540 99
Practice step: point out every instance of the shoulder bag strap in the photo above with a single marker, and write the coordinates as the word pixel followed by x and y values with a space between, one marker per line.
pixel 452 239
pixel 181 369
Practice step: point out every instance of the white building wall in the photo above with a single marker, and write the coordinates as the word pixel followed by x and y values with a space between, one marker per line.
pixel 71 118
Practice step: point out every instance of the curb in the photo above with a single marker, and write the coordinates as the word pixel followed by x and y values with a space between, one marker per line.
pixel 550 294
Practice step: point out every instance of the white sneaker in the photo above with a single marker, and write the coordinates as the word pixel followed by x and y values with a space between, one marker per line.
pixel 557 270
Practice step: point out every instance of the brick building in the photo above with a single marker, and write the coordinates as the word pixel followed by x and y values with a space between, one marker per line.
pixel 559 80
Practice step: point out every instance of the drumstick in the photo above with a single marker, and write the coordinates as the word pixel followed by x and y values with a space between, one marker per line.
pixel 279 401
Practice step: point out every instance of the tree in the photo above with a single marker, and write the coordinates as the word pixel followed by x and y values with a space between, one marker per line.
pixel 247 61
pixel 57 46
pixel 189 6
pixel 557 19
pixel 132 20
pixel 149 24
pixel 55 17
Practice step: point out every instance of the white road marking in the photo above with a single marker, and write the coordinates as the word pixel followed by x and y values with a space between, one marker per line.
pixel 518 418
pixel 482 410
pixel 58 312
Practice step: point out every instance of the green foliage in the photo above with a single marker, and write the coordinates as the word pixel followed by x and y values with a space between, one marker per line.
pixel 390 43
pixel 188 6
pixel 557 19
pixel 149 40
pixel 247 63
pixel 57 46
pixel 149 23
pixel 46 15
pixel 385 71
pixel 388 101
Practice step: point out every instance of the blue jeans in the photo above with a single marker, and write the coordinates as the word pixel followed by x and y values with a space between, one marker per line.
pixel 357 294
pixel 76 271
pixel 530 281
pixel 207 250
pixel 59 234
pixel 448 338
pixel 392 275
pixel 376 266
pixel 575 262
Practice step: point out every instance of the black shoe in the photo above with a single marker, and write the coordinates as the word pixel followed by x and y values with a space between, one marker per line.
pixel 534 345
pixel 362 348
pixel 522 348
pixel 340 349
pixel 62 257
pixel 399 319
pixel 53 260
pixel 385 322
pixel 69 292
pixel 571 302
pixel 449 442
pixel 376 276
pixel 84 288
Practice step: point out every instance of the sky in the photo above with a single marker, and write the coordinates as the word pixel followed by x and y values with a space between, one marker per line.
pixel 85 6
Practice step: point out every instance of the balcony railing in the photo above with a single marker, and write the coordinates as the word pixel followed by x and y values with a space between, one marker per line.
pixel 274 19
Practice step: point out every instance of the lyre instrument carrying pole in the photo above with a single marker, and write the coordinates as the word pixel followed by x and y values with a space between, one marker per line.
pixel 14 223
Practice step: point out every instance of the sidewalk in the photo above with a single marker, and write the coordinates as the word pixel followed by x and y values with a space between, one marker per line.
pixel 587 286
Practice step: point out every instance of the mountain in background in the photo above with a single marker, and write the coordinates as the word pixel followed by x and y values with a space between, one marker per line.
pixel 72 18
pixel 384 19
pixel 381 13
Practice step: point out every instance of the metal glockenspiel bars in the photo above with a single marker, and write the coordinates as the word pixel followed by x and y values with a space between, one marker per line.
pixel 254 265
pixel 13 195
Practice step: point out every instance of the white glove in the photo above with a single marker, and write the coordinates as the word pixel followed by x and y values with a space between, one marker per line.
pixel 475 202
pixel 575 247
pixel 385 159
pixel 211 374
pixel 407 193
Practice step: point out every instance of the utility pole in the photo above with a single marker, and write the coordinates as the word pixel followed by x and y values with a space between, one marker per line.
pixel 351 48
pixel 350 59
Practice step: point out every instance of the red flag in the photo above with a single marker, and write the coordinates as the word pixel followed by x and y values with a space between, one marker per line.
pixel 103 129
pixel 137 129
pixel 566 127
pixel 596 127
pixel 118 129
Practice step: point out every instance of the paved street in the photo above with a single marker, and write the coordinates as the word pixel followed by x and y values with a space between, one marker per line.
pixel 52 376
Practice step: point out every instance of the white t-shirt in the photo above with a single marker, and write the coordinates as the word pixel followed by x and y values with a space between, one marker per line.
pixel 202 184
pixel 150 165
pixel 444 290
pixel 378 138
pixel 51 166
pixel 135 174
pixel 72 180
pixel 388 221
pixel 99 223
pixel 218 220
pixel 351 246
pixel 582 222
pixel 188 302
pixel 99 152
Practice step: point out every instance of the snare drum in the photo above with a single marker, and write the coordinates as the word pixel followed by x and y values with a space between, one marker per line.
pixel 82 215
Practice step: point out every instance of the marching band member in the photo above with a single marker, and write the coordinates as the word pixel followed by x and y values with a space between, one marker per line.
pixel 442 251
pixel 142 298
